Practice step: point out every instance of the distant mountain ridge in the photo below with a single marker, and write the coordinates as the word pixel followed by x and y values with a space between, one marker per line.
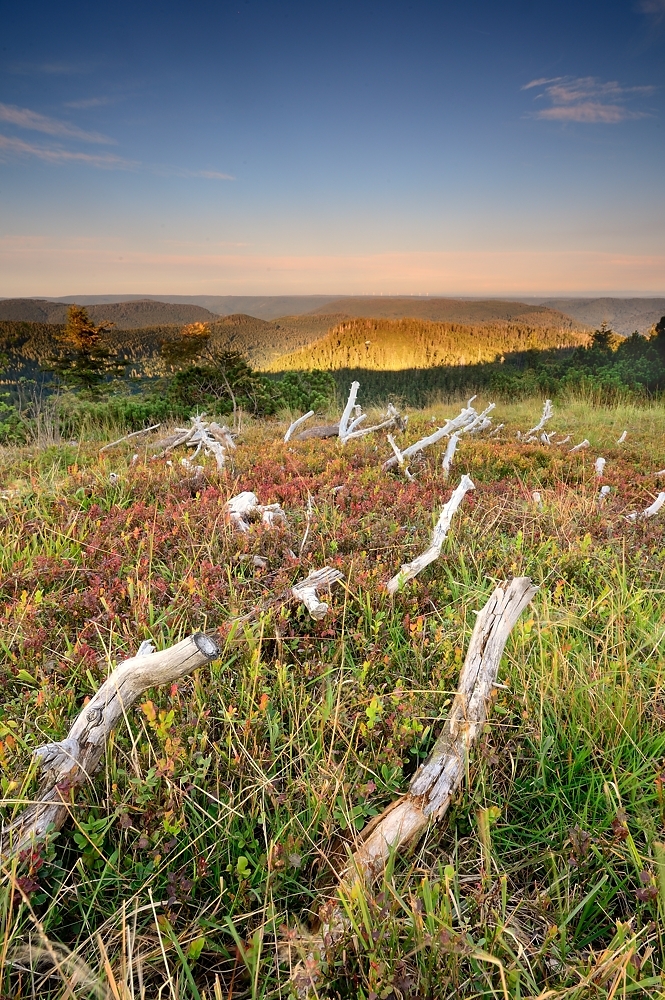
pixel 444 310
pixel 133 315
pixel 624 316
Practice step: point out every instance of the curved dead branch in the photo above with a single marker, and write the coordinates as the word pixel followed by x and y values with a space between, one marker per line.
pixel 72 761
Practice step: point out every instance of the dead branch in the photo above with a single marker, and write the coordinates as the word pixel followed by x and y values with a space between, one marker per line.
pixel 548 413
pixel 297 423
pixel 307 590
pixel 623 437
pixel 436 782
pixel 393 419
pixel 467 416
pixel 599 466
pixel 72 761
pixel 134 434
pixel 650 511
pixel 409 570
pixel 450 453
pixel 579 447
pixel 350 403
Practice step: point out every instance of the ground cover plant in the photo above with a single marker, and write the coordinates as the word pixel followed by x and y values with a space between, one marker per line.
pixel 228 802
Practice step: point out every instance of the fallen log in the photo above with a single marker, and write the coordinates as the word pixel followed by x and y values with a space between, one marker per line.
pixel 320 431
pixel 433 551
pixel 71 762
pixel 432 787
pixel 307 590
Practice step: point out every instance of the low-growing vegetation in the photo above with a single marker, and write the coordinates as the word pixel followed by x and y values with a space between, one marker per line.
pixel 228 802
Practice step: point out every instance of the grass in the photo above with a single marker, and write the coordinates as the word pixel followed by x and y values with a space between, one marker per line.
pixel 229 801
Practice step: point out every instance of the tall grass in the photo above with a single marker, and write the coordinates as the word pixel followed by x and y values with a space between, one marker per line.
pixel 228 802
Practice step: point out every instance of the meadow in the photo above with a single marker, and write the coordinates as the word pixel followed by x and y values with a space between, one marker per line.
pixel 228 802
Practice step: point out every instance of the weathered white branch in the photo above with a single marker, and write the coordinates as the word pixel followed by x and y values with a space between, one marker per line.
pixel 409 570
pixel 564 440
pixel 450 453
pixel 174 442
pixel 603 495
pixel 548 413
pixel 499 427
pixel 467 416
pixel 623 437
pixel 72 761
pixel 435 784
pixel 242 506
pixel 134 434
pixel 599 466
pixel 297 423
pixel 350 403
pixel 650 511
pixel 580 446
pixel 307 590
pixel 393 419
pixel 537 498
pixel 479 422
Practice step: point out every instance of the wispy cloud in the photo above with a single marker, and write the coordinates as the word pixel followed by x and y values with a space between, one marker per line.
pixel 88 102
pixel 49 68
pixel 11 147
pixel 586 99
pixel 35 122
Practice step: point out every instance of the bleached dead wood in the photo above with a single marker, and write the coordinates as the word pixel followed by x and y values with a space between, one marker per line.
pixel 145 430
pixel 433 786
pixel 480 422
pixel 72 762
pixel 537 498
pixel 467 416
pixel 599 466
pixel 499 427
pixel 564 440
pixel 241 507
pixel 580 446
pixel 174 441
pixel 603 495
pixel 308 589
pixel 223 435
pixel 297 423
pixel 450 453
pixel 433 551
pixel 623 437
pixel 548 413
pixel 650 511
pixel 392 419
pixel 346 414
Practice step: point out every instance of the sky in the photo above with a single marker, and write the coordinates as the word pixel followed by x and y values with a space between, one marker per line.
pixel 365 147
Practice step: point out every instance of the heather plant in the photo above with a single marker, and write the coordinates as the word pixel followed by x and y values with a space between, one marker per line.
pixel 228 801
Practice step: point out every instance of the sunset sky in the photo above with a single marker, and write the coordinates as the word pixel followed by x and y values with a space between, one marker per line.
pixel 285 147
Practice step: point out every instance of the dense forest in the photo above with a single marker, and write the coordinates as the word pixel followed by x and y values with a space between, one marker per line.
pixel 385 345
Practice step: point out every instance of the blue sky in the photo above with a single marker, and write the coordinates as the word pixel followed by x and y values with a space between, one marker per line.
pixel 265 147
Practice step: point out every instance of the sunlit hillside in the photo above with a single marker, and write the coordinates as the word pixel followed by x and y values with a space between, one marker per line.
pixel 383 344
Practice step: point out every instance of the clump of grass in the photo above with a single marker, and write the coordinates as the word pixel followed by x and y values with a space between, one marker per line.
pixel 229 801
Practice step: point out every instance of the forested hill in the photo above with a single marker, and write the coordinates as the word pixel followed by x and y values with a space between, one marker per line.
pixel 25 347
pixel 624 316
pixel 449 310
pixel 140 314
pixel 384 344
